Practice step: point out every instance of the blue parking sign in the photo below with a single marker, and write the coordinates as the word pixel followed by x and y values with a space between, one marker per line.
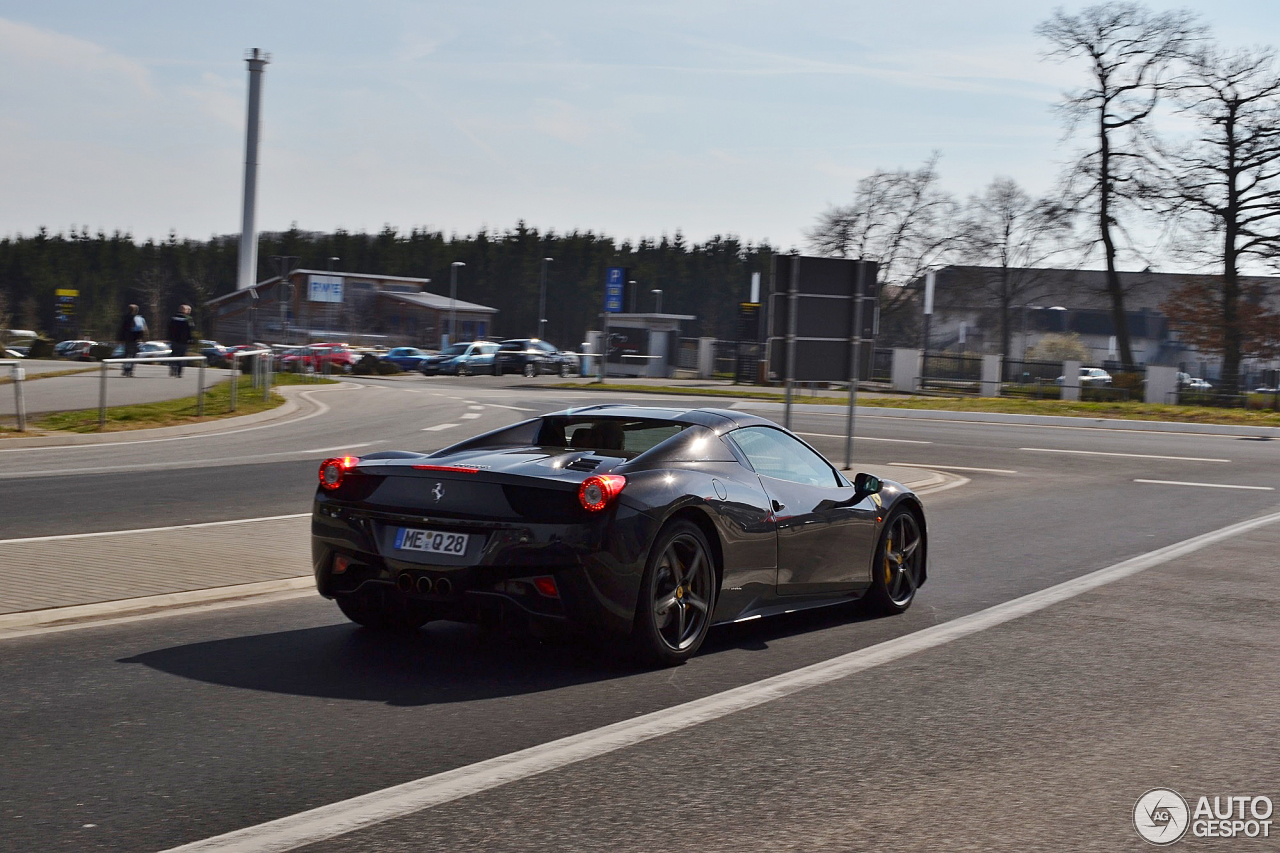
pixel 615 280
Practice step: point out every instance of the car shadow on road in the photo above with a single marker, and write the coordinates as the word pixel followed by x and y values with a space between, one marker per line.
pixel 440 664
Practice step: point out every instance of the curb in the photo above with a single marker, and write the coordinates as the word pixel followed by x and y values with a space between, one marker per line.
pixel 291 407
pixel 37 621
pixel 1033 420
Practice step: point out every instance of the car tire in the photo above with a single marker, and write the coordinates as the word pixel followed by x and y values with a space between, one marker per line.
pixel 378 609
pixel 895 575
pixel 565 372
pixel 530 370
pixel 677 597
pixel 463 370
pixel 497 366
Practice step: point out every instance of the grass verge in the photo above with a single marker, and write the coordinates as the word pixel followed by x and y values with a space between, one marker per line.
pixel 1003 405
pixel 217 399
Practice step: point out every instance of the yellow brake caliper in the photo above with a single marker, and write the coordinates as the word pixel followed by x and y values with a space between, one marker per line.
pixel 888 570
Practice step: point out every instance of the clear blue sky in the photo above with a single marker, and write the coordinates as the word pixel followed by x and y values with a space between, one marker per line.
pixel 707 116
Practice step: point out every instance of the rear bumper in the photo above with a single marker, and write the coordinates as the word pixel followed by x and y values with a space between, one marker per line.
pixel 597 567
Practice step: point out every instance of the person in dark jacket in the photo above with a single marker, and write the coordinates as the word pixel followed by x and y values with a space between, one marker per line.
pixel 133 329
pixel 180 334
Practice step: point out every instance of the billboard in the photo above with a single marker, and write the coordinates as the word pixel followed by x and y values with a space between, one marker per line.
pixel 825 293
pixel 614 282
pixel 324 288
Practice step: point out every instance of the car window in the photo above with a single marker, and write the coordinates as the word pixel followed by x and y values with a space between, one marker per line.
pixel 775 454
pixel 488 348
pixel 545 347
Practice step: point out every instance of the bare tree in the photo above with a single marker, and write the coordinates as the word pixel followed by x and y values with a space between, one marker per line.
pixel 900 219
pixel 153 285
pixel 1007 229
pixel 1222 189
pixel 1130 51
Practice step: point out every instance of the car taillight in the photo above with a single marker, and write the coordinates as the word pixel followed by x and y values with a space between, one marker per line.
pixel 598 492
pixel 333 470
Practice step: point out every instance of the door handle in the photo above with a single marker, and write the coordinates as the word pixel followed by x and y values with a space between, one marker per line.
pixel 777 507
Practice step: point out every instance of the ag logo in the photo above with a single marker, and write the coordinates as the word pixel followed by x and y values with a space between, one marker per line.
pixel 438 492
pixel 1161 816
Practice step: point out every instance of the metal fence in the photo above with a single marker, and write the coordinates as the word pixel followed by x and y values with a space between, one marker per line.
pixel 951 372
pixel 882 365
pixel 687 354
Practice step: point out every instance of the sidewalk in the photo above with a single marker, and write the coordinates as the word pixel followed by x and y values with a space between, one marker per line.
pixel 56 571
pixel 151 383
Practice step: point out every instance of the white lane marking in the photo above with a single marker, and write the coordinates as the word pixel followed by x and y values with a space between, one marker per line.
pixel 1168 432
pixel 438 427
pixel 322 408
pixel 128 531
pixel 341 447
pixel 469 416
pixel 954 468
pixel 1206 485
pixel 1130 455
pixel 512 408
pixel 477 408
pixel 169 466
pixel 340 818
pixel 865 438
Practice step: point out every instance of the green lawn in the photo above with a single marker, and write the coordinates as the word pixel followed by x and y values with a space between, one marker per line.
pixel 217 401
pixel 1008 405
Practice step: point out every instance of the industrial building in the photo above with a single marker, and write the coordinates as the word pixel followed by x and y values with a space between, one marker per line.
pixel 313 305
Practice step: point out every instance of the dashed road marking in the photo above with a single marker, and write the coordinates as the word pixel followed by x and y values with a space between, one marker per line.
pixel 865 438
pixel 1129 455
pixel 954 468
pixel 1206 485
pixel 469 416
pixel 438 427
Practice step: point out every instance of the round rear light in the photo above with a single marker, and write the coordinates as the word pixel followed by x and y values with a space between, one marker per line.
pixel 333 470
pixel 597 492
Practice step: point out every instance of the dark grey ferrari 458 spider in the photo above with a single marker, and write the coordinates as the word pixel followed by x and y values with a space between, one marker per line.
pixel 644 526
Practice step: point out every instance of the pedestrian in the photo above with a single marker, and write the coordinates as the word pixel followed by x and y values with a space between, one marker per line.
pixel 133 328
pixel 180 335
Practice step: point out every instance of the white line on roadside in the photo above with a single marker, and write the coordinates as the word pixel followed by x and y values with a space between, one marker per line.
pixel 438 427
pixel 1206 485
pixel 341 447
pixel 320 410
pixel 954 468
pixel 1130 455
pixel 169 466
pixel 865 438
pixel 64 536
pixel 345 816
pixel 469 416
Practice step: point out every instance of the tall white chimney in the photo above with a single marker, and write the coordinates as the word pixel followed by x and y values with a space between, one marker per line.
pixel 257 60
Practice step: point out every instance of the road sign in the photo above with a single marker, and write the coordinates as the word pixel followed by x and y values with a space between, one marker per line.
pixel 65 308
pixel 614 283
pixel 824 293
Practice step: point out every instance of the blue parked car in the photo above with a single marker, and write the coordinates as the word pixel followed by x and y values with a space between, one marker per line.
pixel 405 358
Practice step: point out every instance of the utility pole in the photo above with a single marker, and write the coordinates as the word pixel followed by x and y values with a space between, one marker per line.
pixel 542 300
pixel 453 298
pixel 248 271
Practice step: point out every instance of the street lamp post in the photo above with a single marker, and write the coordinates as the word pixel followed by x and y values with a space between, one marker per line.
pixel 657 300
pixel 631 285
pixel 453 298
pixel 542 300
pixel 333 259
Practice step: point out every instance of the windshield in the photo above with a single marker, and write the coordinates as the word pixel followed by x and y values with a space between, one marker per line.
pixel 454 349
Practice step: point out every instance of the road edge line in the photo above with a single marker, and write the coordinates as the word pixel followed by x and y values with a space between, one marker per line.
pixel 375 807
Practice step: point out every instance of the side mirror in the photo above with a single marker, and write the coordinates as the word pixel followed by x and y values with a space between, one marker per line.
pixel 866 484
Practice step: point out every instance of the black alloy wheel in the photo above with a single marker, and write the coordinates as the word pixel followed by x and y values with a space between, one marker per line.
pixel 677 597
pixel 564 370
pixel 530 369
pixel 899 564
pixel 463 370
pixel 379 609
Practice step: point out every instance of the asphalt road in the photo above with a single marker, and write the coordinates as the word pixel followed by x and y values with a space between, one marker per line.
pixel 154 733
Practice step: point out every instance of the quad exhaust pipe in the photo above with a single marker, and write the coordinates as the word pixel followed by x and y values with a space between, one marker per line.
pixel 406 582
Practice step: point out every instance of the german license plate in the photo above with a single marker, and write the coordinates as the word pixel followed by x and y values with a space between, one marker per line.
pixel 431 541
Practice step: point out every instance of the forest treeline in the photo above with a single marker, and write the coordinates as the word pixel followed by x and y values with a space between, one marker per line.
pixel 503 269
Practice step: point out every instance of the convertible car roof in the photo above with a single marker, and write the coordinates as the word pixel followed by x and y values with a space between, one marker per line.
pixel 719 419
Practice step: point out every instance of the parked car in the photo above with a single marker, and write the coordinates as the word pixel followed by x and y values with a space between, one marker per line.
pixel 322 358
pixel 146 349
pixel 405 358
pixel 1090 376
pixel 78 350
pixel 531 357
pixel 461 359
pixel 1198 385
pixel 11 352
pixel 215 352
